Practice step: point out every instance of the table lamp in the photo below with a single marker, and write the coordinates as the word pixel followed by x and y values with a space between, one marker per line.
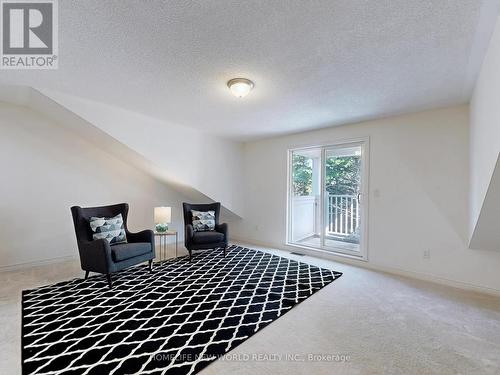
pixel 163 216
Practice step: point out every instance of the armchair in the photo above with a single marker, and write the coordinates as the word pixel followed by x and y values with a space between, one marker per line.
pixel 99 255
pixel 217 238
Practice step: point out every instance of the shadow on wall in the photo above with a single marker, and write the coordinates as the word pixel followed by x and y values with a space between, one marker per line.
pixel 49 169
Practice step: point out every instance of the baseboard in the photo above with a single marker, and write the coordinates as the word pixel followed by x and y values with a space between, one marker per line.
pixel 42 262
pixel 436 279
pixel 380 267
pixel 354 262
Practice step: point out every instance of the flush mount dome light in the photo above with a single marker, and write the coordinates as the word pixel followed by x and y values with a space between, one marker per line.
pixel 240 87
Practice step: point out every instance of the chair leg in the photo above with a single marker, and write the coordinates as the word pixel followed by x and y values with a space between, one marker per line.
pixel 190 255
pixel 225 248
pixel 150 265
pixel 87 274
pixel 110 283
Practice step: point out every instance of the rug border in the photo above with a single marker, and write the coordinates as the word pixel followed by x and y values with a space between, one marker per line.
pixel 206 363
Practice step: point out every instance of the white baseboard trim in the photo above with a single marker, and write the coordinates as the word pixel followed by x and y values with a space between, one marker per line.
pixel 317 254
pixel 378 267
pixel 42 262
pixel 66 258
pixel 436 279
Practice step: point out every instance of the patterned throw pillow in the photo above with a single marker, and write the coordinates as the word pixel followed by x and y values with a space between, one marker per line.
pixel 112 229
pixel 203 221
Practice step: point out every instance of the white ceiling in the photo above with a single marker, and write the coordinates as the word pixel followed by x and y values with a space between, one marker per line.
pixel 314 63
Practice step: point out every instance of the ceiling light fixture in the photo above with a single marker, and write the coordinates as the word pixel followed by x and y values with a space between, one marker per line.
pixel 240 87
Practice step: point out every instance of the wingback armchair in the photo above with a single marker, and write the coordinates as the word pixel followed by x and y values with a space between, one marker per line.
pixel 98 255
pixel 212 239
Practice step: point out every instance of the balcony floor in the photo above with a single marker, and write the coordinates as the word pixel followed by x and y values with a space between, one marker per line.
pixel 314 241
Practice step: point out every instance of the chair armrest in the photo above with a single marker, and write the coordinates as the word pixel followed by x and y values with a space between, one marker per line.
pixel 142 236
pixel 95 255
pixel 222 228
pixel 188 235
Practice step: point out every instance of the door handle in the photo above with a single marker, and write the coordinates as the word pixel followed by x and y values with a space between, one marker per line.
pixel 359 198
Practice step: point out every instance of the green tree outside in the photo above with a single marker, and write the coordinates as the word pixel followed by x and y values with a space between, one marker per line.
pixel 302 175
pixel 341 178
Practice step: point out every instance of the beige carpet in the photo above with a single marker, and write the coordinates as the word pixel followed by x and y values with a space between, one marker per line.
pixel 364 323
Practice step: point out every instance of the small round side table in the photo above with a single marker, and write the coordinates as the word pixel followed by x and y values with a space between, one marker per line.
pixel 164 243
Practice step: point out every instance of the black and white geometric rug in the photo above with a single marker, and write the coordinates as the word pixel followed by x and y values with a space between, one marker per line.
pixel 174 321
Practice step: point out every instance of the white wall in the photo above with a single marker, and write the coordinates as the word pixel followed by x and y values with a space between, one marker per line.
pixel 211 165
pixel 418 194
pixel 485 127
pixel 45 170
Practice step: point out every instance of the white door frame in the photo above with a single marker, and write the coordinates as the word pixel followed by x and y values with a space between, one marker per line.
pixel 364 142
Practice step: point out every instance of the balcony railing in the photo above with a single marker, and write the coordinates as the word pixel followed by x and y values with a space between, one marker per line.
pixel 341 219
pixel 343 214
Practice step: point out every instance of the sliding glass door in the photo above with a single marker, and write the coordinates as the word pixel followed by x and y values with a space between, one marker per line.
pixel 327 198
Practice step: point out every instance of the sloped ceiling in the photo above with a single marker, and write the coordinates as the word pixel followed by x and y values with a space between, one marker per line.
pixel 314 63
pixel 50 108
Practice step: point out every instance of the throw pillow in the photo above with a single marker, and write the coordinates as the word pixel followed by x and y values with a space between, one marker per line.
pixel 111 229
pixel 203 221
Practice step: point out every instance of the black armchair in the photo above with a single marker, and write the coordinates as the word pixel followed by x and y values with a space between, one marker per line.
pixel 214 239
pixel 99 255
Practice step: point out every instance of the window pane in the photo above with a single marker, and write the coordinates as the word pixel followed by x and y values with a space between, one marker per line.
pixel 302 167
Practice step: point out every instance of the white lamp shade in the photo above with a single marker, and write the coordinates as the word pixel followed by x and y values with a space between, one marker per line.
pixel 163 215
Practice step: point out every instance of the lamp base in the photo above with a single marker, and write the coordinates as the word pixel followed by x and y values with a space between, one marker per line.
pixel 160 228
